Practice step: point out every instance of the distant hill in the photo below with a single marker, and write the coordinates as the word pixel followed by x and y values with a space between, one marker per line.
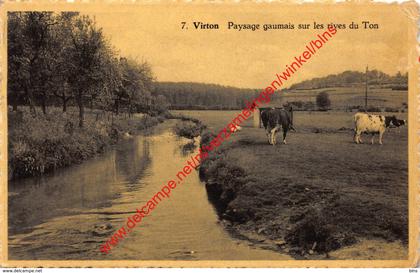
pixel 346 90
pixel 202 96
pixel 376 79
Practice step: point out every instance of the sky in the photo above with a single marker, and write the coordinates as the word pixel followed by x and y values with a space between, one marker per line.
pixel 248 59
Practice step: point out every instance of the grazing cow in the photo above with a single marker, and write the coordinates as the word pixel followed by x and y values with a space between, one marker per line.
pixel 373 124
pixel 273 119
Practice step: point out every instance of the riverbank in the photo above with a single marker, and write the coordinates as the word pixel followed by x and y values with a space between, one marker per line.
pixel 44 143
pixel 320 196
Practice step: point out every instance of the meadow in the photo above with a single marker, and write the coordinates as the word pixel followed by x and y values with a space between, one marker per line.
pixel 344 97
pixel 320 194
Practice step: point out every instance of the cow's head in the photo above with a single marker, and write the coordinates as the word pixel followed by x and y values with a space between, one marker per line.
pixel 392 120
pixel 400 122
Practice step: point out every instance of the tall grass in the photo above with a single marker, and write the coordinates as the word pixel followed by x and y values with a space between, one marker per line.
pixel 41 144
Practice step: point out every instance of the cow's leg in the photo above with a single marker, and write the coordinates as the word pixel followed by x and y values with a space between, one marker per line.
pixel 268 133
pixel 357 137
pixel 381 133
pixel 273 135
pixel 373 136
pixel 284 134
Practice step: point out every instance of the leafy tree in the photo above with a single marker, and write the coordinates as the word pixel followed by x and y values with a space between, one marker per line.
pixel 136 84
pixel 18 73
pixel 323 100
pixel 59 57
pixel 60 86
pixel 28 54
pixel 85 60
pixel 161 105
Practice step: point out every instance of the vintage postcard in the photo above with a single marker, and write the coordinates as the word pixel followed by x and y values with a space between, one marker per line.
pixel 209 134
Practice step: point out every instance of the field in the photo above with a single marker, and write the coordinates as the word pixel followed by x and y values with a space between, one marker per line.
pixel 343 97
pixel 320 194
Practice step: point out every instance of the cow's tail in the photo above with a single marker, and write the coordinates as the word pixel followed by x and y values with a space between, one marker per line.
pixel 356 117
pixel 264 118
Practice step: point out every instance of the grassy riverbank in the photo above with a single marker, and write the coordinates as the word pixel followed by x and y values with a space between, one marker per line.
pixel 41 144
pixel 319 194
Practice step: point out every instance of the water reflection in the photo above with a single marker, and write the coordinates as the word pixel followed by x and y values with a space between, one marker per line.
pixel 94 184
pixel 69 214
pixel 131 161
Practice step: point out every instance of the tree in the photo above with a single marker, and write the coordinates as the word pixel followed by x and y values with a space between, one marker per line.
pixel 136 85
pixel 85 60
pixel 61 34
pixel 28 53
pixel 160 105
pixel 66 56
pixel 323 100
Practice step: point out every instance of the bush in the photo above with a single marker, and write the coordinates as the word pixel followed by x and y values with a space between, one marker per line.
pixel 392 109
pixel 373 109
pixel 206 138
pixel 41 144
pixel 188 129
pixel 301 105
pixel 146 122
pixel 323 100
pixel 400 87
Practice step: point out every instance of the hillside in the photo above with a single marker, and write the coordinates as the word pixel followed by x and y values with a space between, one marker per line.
pixel 201 96
pixel 346 98
pixel 346 91
pixel 354 78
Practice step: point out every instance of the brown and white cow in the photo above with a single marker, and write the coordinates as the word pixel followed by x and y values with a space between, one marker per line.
pixel 373 124
pixel 273 119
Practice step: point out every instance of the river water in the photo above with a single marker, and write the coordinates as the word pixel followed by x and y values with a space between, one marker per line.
pixel 67 215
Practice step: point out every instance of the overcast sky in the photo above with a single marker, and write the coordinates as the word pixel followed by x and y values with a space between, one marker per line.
pixel 251 59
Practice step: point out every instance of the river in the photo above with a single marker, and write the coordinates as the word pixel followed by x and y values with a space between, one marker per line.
pixel 68 214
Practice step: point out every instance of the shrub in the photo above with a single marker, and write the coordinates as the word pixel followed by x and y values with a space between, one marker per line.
pixel 392 109
pixel 146 122
pixel 373 109
pixel 46 142
pixel 206 138
pixel 187 129
pixel 323 100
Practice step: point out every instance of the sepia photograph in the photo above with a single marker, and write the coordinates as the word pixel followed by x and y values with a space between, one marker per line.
pixel 199 134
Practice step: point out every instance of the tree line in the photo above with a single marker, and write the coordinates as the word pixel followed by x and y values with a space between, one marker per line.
pixel 64 59
pixel 350 78
pixel 201 96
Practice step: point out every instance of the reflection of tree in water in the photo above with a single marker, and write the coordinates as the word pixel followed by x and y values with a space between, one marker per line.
pixel 131 160
pixel 188 148
pixel 64 192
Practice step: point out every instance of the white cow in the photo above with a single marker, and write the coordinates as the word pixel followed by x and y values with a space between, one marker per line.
pixel 373 124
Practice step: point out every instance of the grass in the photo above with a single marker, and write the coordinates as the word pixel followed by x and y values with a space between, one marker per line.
pixel 318 193
pixel 48 142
